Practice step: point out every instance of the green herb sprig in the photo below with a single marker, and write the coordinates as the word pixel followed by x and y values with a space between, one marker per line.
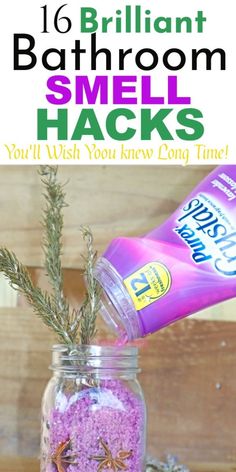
pixel 71 326
pixel 91 305
pixel 171 465
pixel 52 239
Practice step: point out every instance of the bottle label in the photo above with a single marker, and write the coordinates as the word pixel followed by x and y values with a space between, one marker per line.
pixel 148 284
pixel 209 232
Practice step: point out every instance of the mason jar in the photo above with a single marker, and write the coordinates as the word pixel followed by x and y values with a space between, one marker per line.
pixel 93 411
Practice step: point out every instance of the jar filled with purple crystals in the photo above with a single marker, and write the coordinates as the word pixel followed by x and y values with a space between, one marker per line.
pixel 93 411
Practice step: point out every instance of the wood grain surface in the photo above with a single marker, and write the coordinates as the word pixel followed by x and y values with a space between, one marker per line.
pixel 20 464
pixel 117 200
pixel 189 369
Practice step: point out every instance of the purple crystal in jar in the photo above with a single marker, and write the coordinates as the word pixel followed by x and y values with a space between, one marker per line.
pixel 110 413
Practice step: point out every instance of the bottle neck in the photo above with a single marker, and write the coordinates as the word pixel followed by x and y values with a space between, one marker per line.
pixel 117 308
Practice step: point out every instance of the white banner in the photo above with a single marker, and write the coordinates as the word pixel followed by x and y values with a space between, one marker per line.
pixel 117 83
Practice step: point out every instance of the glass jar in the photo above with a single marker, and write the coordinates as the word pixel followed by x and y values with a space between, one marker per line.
pixel 93 411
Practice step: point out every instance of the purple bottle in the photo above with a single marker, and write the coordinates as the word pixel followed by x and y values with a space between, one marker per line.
pixel 186 264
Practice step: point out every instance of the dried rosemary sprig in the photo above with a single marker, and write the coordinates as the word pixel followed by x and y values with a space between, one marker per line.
pixel 171 465
pixel 53 225
pixel 91 305
pixel 42 303
pixel 70 325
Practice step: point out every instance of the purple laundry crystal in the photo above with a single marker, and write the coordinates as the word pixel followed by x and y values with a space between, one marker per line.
pixel 110 414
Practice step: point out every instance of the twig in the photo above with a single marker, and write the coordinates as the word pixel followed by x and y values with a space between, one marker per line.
pixel 52 240
pixel 43 304
pixel 91 305
pixel 70 325
pixel 171 465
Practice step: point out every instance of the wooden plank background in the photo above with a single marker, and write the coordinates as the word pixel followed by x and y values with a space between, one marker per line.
pixel 120 200
pixel 189 369
pixel 22 464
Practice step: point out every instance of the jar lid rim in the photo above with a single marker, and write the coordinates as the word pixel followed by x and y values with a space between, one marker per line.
pixel 96 350
pixel 94 358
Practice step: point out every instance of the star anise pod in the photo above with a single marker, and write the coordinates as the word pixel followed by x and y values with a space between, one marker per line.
pixel 60 458
pixel 107 461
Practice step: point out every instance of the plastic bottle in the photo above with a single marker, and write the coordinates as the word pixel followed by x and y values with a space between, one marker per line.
pixel 186 264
